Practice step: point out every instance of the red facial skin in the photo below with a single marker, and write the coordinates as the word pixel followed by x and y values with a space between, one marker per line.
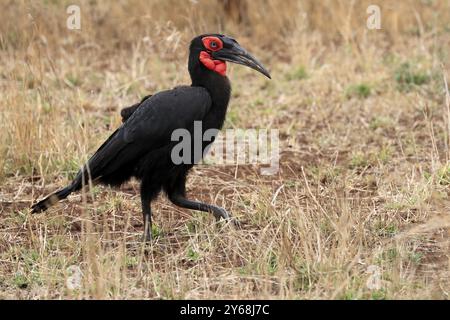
pixel 213 44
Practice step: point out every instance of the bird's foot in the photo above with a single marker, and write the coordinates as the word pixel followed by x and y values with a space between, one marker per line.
pixel 224 214
pixel 236 223
pixel 221 213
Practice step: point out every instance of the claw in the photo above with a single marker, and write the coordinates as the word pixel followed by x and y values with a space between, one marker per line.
pixel 219 212
pixel 236 223
pixel 222 213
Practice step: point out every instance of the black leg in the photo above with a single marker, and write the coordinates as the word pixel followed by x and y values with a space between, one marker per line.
pixel 147 217
pixel 177 194
pixel 181 201
pixel 146 212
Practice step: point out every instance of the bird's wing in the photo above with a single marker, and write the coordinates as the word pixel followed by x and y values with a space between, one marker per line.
pixel 150 127
pixel 128 111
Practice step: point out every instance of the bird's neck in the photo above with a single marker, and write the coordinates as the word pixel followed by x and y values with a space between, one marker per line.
pixel 219 88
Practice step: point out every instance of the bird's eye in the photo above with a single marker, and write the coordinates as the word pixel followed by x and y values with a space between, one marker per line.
pixel 212 43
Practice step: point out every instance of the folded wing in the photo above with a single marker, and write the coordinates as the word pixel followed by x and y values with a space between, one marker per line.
pixel 149 127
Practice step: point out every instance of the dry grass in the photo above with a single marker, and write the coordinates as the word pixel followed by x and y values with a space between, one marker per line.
pixel 364 176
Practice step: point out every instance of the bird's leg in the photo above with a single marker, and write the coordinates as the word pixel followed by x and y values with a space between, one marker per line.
pixel 147 213
pixel 181 201
pixel 177 195
pixel 147 216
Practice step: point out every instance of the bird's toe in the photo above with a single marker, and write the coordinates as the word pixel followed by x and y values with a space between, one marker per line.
pixel 222 213
pixel 236 223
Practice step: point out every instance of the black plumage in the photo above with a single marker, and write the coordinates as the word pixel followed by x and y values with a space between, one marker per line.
pixel 141 147
pixel 125 113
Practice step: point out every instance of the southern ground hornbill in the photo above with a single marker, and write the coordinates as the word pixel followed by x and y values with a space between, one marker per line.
pixel 141 146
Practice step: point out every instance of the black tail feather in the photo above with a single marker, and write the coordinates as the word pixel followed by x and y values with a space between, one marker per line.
pixel 51 200
pixel 59 195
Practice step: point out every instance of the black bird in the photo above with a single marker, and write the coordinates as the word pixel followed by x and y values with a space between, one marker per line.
pixel 141 147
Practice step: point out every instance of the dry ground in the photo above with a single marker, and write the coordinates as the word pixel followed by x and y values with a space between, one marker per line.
pixel 358 210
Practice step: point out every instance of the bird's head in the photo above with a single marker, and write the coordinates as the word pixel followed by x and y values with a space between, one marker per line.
pixel 212 50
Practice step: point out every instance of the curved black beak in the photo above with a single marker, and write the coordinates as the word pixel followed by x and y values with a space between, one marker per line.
pixel 239 55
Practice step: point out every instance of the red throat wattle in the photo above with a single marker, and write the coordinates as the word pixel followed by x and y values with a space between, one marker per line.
pixel 218 66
